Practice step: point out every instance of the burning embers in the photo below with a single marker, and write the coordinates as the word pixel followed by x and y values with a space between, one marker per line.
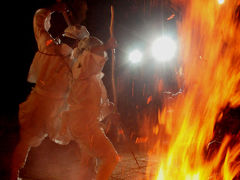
pixel 210 56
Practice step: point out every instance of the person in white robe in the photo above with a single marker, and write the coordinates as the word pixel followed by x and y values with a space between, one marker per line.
pixel 88 105
pixel 51 72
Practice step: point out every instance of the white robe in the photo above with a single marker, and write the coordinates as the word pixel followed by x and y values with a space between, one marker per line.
pixel 88 101
pixel 51 71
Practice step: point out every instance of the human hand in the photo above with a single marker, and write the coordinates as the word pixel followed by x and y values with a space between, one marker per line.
pixel 111 43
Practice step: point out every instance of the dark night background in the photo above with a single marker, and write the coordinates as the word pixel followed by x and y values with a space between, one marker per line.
pixel 131 26
pixel 19 46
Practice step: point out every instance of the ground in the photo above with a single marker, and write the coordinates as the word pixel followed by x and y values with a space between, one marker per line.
pixel 54 162
pixel 50 161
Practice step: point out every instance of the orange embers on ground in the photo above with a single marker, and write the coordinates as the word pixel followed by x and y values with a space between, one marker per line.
pixel 210 54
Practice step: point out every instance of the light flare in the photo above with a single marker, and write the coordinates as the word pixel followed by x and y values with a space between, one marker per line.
pixel 135 56
pixel 164 49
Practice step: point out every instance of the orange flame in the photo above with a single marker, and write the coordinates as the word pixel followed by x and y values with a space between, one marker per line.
pixel 149 99
pixel 207 30
pixel 141 140
pixel 171 17
pixel 120 132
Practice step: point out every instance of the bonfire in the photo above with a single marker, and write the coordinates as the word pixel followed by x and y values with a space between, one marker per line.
pixel 210 56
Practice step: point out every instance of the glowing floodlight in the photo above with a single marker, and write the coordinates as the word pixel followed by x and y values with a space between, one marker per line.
pixel 164 48
pixel 135 56
pixel 220 1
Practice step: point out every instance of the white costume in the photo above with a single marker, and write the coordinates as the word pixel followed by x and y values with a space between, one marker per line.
pixel 88 92
pixel 88 104
pixel 51 71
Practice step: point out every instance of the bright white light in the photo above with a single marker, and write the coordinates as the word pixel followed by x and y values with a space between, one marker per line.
pixel 220 1
pixel 164 48
pixel 135 56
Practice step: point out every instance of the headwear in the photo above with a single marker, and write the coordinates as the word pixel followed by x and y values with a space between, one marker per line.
pixel 89 42
pixel 86 44
pixel 76 32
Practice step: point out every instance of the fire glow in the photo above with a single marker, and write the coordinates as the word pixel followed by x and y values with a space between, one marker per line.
pixel 211 82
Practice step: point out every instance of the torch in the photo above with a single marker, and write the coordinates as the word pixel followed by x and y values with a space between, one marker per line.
pixel 113 61
pixel 113 83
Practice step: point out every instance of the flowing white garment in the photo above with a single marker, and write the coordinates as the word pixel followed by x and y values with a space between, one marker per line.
pixel 88 101
pixel 50 70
